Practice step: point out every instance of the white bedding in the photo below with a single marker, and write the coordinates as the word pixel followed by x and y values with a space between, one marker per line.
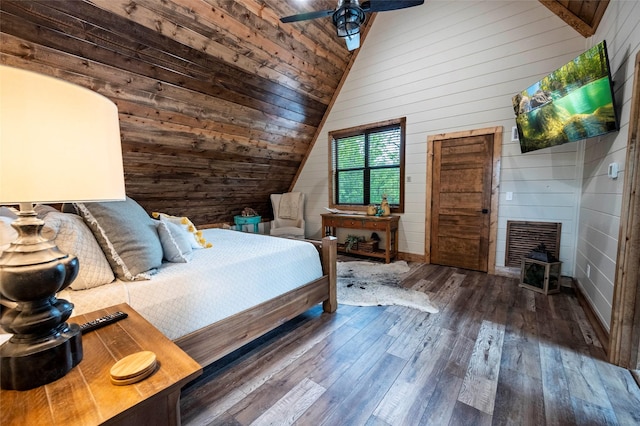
pixel 240 271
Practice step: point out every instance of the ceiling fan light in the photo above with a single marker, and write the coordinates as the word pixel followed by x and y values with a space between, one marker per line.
pixel 348 19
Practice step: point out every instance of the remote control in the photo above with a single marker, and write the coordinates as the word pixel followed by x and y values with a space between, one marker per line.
pixel 102 321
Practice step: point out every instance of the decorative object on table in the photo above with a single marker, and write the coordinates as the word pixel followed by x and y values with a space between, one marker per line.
pixel 374 284
pixel 288 215
pixel 248 212
pixel 540 271
pixel 368 246
pixel 352 242
pixel 133 368
pixel 51 130
pixel 542 254
pixel 240 221
pixel 384 206
pixel 372 209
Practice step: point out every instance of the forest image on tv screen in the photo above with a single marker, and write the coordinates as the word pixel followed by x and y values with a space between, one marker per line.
pixel 572 103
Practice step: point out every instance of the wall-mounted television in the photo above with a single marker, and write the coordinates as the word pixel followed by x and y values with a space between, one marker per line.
pixel 572 103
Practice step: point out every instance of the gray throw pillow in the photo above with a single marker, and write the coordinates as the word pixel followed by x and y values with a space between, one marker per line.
pixel 127 235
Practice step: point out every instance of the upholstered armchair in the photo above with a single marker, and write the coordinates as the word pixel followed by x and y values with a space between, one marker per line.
pixel 288 214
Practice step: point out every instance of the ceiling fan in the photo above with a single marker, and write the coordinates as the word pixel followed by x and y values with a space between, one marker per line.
pixel 350 15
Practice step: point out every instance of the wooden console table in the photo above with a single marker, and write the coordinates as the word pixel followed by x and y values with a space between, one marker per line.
pixel 386 224
pixel 86 396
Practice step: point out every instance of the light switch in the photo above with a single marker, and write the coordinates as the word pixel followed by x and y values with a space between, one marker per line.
pixel 509 196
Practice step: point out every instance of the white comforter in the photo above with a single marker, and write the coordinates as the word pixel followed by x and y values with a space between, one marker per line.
pixel 240 271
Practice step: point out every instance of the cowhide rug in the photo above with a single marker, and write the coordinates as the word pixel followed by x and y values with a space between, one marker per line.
pixel 378 284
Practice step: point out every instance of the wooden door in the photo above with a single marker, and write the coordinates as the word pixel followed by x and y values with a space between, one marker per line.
pixel 461 201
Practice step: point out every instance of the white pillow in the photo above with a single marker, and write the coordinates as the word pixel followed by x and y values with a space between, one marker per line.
pixel 176 244
pixel 72 236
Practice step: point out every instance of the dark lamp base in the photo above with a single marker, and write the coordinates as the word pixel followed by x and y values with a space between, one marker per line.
pixel 27 366
pixel 43 347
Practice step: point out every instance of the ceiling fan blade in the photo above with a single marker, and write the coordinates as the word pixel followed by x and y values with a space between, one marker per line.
pixel 306 16
pixel 353 42
pixel 385 5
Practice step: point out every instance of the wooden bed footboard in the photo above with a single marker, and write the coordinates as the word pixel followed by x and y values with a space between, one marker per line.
pixel 211 343
pixel 328 249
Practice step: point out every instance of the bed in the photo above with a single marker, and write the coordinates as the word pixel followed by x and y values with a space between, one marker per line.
pixel 233 288
pixel 257 283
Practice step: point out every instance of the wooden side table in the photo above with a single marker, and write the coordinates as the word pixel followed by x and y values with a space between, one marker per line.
pixel 86 396
pixel 247 220
pixel 386 224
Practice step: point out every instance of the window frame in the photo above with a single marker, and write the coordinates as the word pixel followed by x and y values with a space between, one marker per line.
pixel 360 130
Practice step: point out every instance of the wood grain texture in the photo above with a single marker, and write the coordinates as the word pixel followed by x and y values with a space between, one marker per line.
pixel 218 101
pixel 475 175
pixel 524 236
pixel 481 381
pixel 625 321
pixel 583 15
pixel 213 342
pixel 95 400
pixel 527 359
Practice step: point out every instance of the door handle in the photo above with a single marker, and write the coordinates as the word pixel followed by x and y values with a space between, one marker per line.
pixel 485 211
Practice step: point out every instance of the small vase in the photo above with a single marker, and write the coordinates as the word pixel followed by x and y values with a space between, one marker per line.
pixel 386 210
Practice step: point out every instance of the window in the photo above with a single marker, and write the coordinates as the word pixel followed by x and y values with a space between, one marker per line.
pixel 367 162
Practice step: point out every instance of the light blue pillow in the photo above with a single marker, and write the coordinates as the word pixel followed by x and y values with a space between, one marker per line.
pixel 176 243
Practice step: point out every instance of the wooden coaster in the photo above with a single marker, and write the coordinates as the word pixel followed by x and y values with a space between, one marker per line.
pixel 133 368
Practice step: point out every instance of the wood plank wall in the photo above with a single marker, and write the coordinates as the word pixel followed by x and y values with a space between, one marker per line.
pixel 218 101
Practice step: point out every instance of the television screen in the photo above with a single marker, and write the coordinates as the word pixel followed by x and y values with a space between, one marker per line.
pixel 572 103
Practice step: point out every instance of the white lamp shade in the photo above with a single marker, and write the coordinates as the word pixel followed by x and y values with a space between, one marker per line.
pixel 58 141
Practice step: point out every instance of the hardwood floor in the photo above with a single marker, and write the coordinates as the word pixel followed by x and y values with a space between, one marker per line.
pixel 494 354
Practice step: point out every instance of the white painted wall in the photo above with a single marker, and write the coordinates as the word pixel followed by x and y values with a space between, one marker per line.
pixel 601 197
pixel 454 65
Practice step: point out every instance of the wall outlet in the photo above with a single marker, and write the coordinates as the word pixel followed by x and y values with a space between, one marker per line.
pixel 588 271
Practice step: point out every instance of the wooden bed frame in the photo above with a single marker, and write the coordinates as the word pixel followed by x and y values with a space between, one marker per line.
pixel 214 341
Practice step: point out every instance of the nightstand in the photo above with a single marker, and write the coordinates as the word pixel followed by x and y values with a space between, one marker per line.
pixel 86 396
pixel 247 220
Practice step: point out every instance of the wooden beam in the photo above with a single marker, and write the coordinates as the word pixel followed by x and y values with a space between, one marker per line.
pixel 578 23
pixel 625 316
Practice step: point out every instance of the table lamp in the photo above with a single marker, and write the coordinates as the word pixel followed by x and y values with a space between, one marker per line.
pixel 58 143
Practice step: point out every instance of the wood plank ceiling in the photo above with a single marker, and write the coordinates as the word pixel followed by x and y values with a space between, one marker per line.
pixel 583 15
pixel 219 102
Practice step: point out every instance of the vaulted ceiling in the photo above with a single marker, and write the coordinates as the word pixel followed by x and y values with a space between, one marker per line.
pixel 219 101
pixel 583 15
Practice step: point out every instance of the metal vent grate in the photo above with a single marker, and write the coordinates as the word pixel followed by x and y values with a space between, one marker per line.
pixel 522 237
